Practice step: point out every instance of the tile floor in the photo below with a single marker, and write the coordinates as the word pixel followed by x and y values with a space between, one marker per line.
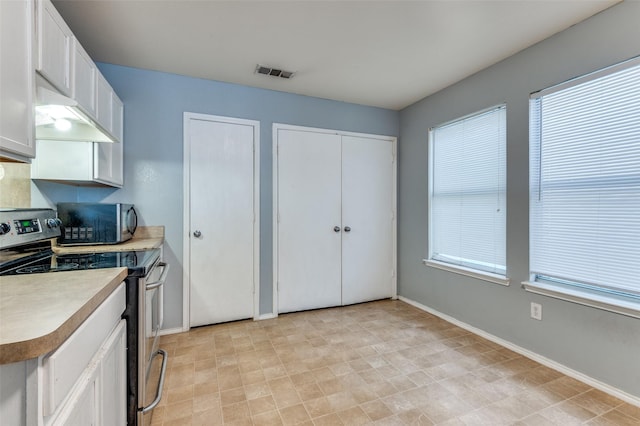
pixel 383 362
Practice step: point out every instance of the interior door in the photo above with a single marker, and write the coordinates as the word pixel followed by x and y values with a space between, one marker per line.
pixel 309 227
pixel 367 219
pixel 221 218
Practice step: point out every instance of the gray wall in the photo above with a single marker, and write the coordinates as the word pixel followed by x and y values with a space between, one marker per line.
pixel 153 124
pixel 603 345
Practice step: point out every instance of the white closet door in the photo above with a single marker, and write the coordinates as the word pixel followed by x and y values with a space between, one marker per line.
pixel 367 209
pixel 309 249
pixel 221 221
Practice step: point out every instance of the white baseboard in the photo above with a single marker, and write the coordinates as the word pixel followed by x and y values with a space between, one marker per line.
pixel 631 399
pixel 175 330
pixel 270 315
pixel 166 331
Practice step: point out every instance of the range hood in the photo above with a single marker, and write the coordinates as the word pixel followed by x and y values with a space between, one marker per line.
pixel 60 118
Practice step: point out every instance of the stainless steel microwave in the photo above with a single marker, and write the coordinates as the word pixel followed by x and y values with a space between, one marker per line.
pixel 96 223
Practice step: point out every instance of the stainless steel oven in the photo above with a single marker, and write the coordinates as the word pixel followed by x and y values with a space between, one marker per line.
pixel 152 360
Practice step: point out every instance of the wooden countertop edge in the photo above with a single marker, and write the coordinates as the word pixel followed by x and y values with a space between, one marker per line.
pixel 134 244
pixel 33 348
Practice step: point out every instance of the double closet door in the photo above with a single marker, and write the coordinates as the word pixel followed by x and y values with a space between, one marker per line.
pixel 335 224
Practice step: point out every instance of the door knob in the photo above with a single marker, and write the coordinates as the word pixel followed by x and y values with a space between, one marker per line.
pixel 336 229
pixel 197 234
pixel 347 229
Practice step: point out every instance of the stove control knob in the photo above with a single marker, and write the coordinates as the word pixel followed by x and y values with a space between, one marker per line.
pixel 4 228
pixel 53 223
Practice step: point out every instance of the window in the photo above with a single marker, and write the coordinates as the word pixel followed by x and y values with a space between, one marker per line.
pixel 467 193
pixel 585 183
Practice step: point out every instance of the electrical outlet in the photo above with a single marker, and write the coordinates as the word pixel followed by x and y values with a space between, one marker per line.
pixel 536 311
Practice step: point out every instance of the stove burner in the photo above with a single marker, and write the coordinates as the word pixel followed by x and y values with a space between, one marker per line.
pixel 33 269
pixel 67 267
pixel 75 256
pixel 36 269
pixel 102 264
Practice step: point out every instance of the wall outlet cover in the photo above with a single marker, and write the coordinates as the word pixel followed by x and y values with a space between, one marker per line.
pixel 536 311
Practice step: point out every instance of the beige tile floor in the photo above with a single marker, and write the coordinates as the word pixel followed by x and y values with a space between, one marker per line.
pixel 383 362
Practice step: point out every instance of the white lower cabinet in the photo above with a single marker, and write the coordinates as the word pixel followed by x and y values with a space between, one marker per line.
pixel 100 397
pixel 113 383
pixel 82 404
pixel 81 383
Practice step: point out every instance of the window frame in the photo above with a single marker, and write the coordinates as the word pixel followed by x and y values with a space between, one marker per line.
pixel 429 260
pixel 597 296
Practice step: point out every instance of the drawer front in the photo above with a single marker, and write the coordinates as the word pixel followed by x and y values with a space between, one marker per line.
pixel 62 368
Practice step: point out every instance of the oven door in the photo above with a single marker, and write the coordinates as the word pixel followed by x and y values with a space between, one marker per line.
pixel 152 360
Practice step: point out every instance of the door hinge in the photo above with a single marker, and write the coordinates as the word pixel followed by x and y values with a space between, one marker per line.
pixel 393 273
pixel 278 218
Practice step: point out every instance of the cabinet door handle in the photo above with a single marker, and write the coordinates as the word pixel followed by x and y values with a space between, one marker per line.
pixel 336 229
pixel 347 229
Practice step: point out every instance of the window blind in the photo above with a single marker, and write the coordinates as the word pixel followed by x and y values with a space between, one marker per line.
pixel 467 197
pixel 585 181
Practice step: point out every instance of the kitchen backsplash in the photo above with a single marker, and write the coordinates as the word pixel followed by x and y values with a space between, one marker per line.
pixel 15 185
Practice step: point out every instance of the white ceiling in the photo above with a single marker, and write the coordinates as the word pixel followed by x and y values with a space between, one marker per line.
pixel 388 54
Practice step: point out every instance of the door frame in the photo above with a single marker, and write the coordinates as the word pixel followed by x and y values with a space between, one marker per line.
pixel 186 230
pixel 394 199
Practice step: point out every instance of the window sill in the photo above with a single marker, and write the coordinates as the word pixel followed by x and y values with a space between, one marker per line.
pixel 619 304
pixel 484 276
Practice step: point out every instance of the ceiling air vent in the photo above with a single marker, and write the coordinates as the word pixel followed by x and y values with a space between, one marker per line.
pixel 274 72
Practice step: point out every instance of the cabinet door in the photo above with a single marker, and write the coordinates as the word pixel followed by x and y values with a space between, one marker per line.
pixel 84 79
pixel 310 226
pixel 108 163
pixel 367 219
pixel 104 108
pixel 63 160
pixel 81 408
pixel 16 78
pixel 54 47
pixel 117 115
pixel 113 378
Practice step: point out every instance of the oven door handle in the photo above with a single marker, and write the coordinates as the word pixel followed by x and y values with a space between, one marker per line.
pixel 163 277
pixel 160 382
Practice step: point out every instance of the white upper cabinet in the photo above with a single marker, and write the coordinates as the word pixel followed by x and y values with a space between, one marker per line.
pixel 104 112
pixel 108 162
pixel 65 64
pixel 109 110
pixel 55 41
pixel 85 79
pixel 79 163
pixel 117 124
pixel 16 80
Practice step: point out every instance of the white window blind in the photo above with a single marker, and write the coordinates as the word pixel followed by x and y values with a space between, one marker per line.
pixel 585 181
pixel 467 197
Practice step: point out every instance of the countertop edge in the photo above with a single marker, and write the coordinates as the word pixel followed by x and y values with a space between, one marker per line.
pixel 134 244
pixel 38 346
